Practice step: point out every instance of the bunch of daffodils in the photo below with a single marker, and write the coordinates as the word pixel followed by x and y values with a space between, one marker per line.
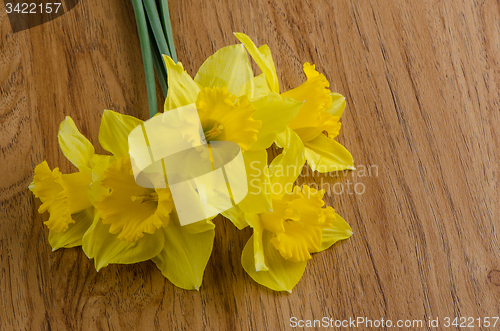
pixel 103 209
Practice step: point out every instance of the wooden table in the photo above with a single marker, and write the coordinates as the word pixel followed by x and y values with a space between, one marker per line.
pixel 422 84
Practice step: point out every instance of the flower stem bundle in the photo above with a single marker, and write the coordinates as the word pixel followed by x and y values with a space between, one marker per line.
pixel 156 38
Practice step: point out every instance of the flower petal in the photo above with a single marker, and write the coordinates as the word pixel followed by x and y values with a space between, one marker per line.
pixel 258 230
pixel 258 198
pixel 282 275
pixel 324 155
pixel 338 105
pixel 262 56
pixel 286 167
pixel 200 226
pixel 182 89
pixel 275 113
pixel 228 67
pixel 237 216
pixel 339 231
pixel 106 248
pixel 77 149
pixel 185 255
pixel 73 235
pixel 114 131
pixel 260 87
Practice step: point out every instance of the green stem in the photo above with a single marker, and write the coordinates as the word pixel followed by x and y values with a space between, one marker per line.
pixel 142 29
pixel 167 28
pixel 161 70
pixel 156 27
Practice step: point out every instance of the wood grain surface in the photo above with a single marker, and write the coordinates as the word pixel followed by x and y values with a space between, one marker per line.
pixel 422 83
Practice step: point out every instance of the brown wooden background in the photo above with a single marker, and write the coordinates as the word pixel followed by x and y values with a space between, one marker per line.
pixel 422 83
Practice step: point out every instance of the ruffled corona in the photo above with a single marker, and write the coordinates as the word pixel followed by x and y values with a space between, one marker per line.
pixel 129 208
pixel 313 118
pixel 61 195
pixel 298 222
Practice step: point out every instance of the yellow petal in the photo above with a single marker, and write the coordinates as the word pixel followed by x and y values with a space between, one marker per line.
pixel 228 67
pixel 200 226
pixel 185 255
pixel 237 216
pixel 258 230
pixel 324 155
pixel 105 248
pixel 73 235
pixel 282 274
pixel 262 56
pixel 114 131
pixel 338 105
pixel 182 89
pixel 258 198
pixel 260 87
pixel 339 230
pixel 74 145
pixel 287 166
pixel 275 114
pixel 225 118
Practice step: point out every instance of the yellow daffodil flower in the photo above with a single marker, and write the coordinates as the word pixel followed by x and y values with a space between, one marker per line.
pixel 320 113
pixel 284 238
pixel 226 117
pixel 130 209
pixel 233 105
pixel 64 196
pixel 133 223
